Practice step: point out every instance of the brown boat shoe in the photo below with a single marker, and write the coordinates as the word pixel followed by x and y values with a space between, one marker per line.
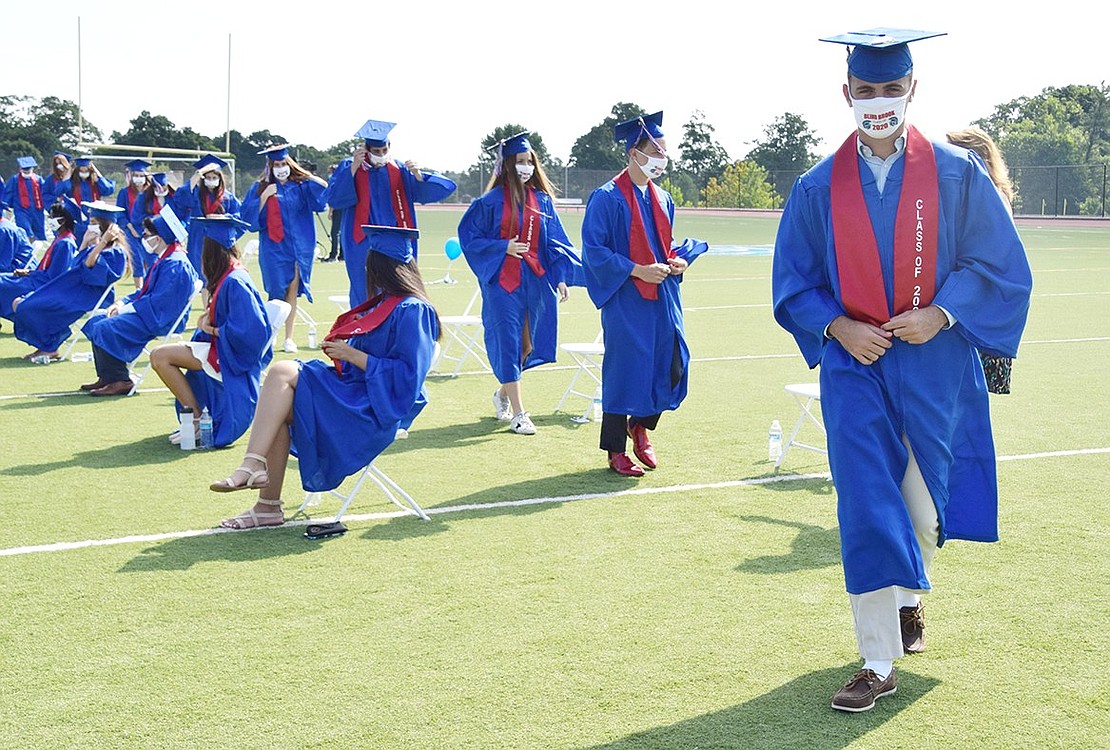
pixel 912 620
pixel 861 692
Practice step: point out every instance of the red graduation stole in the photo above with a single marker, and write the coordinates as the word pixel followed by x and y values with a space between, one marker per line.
pixel 275 229
pixel 214 203
pixel 510 227
pixel 45 262
pixel 396 189
pixel 36 192
pixel 165 254
pixel 132 194
pixel 362 319
pixel 862 291
pixel 639 249
pixel 93 190
pixel 213 354
pixel 156 206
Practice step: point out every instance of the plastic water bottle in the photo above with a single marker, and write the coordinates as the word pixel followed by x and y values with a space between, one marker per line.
pixel 41 359
pixel 187 430
pixel 597 404
pixel 81 357
pixel 774 442
pixel 311 338
pixel 205 429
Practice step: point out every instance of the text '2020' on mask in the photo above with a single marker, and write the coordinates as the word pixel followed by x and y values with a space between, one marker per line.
pixel 525 171
pixel 881 116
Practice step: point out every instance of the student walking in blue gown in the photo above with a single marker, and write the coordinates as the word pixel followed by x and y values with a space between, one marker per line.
pixel 336 417
pixel 517 247
pixel 136 179
pixel 206 195
pixel 57 183
pixel 87 185
pixel 281 208
pixel 23 193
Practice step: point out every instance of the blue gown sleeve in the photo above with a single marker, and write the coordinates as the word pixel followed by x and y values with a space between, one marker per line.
pixel 62 259
pixel 312 193
pixel 605 268
pixel 560 260
pixel 248 211
pixel 7 193
pixel 480 237
pixel 106 187
pixel 184 203
pixel 341 188
pixel 22 251
pixel 394 382
pixel 432 189
pixel 232 206
pixel 244 328
pixel 108 268
pixel 166 296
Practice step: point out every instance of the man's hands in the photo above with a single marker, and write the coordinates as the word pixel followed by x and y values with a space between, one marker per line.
pixel 866 343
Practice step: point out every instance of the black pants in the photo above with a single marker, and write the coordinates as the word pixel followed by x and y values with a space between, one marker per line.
pixel 336 242
pixel 614 434
pixel 108 368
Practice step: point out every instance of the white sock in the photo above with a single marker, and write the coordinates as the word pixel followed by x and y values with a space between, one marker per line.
pixel 879 667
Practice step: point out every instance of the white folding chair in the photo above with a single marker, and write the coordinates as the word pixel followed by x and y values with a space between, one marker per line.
pixel 278 310
pixel 587 358
pixel 392 490
pixel 466 331
pixel 172 334
pixel 807 395
pixel 343 300
pixel 77 324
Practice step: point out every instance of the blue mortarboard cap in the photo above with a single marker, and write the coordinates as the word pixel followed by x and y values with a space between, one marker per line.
pixel 26 162
pixel 62 153
pixel 102 210
pixel 208 161
pixel 516 144
pixel 73 208
pixel 276 153
pixel 223 228
pixel 393 242
pixel 138 165
pixel 882 54
pixel 84 160
pixel 159 178
pixel 168 226
pixel 631 131
pixel 375 133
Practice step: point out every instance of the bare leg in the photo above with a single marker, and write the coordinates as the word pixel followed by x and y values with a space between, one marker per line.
pixel 512 392
pixel 170 361
pixel 291 298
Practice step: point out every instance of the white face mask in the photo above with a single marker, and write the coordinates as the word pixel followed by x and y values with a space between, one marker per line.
pixel 25 172
pixel 52 224
pixel 282 172
pixel 378 161
pixel 94 227
pixel 655 166
pixel 83 174
pixel 138 180
pixel 151 247
pixel 211 184
pixel 525 171
pixel 880 117
pixel 59 167
pixel 161 192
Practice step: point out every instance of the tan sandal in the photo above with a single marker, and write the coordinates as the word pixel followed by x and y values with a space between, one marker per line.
pixel 253 481
pixel 252 519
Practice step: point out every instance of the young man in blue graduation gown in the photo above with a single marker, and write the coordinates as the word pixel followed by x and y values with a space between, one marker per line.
pixel 58 258
pixel 23 193
pixel 371 188
pixel 633 268
pixel 895 259
pixel 119 335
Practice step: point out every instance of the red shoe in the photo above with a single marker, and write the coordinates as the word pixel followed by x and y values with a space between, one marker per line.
pixel 622 464
pixel 641 446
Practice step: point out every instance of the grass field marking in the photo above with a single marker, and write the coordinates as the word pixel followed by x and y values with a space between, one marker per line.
pixel 1067 341
pixel 724 307
pixel 1072 294
pixel 1054 454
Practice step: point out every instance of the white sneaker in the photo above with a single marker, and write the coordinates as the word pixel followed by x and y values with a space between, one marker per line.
pixel 501 406
pixel 522 424
pixel 290 346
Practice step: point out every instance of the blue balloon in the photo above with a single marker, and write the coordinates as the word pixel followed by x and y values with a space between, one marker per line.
pixel 452 248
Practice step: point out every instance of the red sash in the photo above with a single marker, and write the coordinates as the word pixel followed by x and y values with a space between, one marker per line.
pixel 93 190
pixel 132 194
pixel 275 229
pixel 396 189
pixel 510 227
pixel 862 291
pixel 36 192
pixel 362 319
pixel 45 262
pixel 165 254
pixel 156 205
pixel 213 355
pixel 639 249
pixel 213 204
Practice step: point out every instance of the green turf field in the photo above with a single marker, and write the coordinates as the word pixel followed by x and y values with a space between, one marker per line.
pixel 699 607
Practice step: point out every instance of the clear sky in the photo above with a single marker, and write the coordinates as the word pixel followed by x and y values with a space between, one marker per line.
pixel 450 72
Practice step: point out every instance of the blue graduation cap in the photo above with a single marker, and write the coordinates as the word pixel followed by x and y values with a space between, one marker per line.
pixel 631 131
pixel 26 162
pixel 62 153
pixel 392 242
pixel 209 162
pixel 223 228
pixel 276 153
pixel 159 178
pixel 102 210
pixel 375 133
pixel 73 208
pixel 515 144
pixel 882 54
pixel 168 226
pixel 84 160
pixel 138 165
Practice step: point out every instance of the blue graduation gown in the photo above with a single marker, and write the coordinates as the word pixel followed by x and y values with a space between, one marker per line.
pixel 187 204
pixel 341 194
pixel 243 350
pixel 140 259
pixel 933 393
pixel 103 184
pixel 45 315
pixel 642 337
pixel 342 422
pixel 32 220
pixel 62 259
pixel 536 300
pixel 52 189
pixel 15 247
pixel 169 287
pixel 297 249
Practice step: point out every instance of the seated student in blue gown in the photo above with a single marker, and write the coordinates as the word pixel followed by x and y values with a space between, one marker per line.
pixel 57 183
pixel 336 418
pixel 517 247
pixel 15 247
pixel 23 194
pixel 372 188
pixel 57 259
pixel 221 367
pixel 119 335
pixel 207 194
pixel 136 178
pixel 43 317
pixel 87 185
pixel 280 207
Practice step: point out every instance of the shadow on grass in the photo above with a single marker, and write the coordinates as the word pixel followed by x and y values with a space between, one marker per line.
pixel 795 715
pixel 813 547
pixel 183 554
pixel 144 452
